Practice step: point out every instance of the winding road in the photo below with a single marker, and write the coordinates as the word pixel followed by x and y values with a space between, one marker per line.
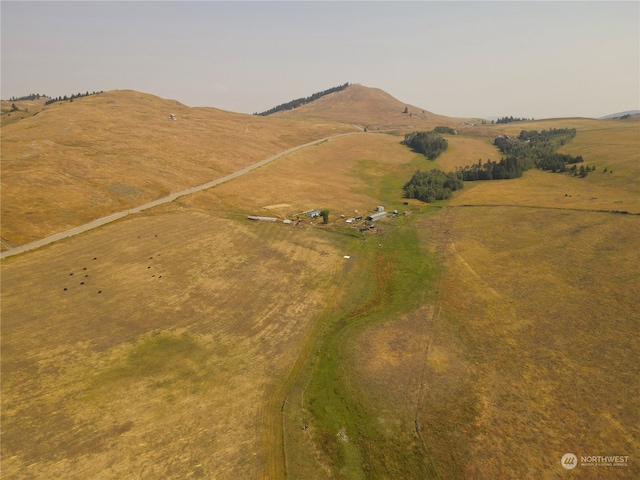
pixel 169 198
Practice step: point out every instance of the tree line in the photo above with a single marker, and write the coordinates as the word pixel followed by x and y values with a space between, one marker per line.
pixel 301 101
pixel 71 98
pixel 512 119
pixel 31 96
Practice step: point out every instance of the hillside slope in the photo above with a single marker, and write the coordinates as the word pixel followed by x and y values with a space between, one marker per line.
pixel 77 161
pixel 370 107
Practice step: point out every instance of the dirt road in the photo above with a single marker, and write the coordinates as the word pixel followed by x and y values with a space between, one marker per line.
pixel 169 198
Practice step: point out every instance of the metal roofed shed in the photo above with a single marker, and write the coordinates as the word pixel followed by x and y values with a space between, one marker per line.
pixel 262 219
pixel 313 213
pixel 376 216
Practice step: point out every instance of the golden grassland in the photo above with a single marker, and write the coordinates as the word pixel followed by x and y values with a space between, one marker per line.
pixel 369 107
pixel 333 175
pixel 528 351
pixel 186 333
pixel 158 358
pixel 534 353
pixel 166 360
pixel 26 108
pixel 465 150
pixel 612 145
pixel 81 160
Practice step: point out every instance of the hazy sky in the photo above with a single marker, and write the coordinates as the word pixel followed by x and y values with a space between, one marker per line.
pixel 528 59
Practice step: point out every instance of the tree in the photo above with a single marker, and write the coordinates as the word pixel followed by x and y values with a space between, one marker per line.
pixel 325 216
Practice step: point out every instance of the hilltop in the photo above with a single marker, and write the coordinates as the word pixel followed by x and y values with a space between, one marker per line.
pixel 626 114
pixel 73 162
pixel 369 107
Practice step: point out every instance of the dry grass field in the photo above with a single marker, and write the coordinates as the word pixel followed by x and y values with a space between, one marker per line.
pixel 156 359
pixel 369 107
pixel 482 337
pixel 166 356
pixel 81 160
pixel 533 354
pixel 526 353
pixel 26 108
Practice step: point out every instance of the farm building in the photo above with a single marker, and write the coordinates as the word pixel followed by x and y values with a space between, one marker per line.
pixel 313 213
pixel 262 219
pixel 379 208
pixel 376 216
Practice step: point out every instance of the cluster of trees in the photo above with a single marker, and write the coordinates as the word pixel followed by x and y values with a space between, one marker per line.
pixel 65 98
pixel 301 101
pixel 556 137
pixel 511 119
pixel 448 130
pixel 431 144
pixel 432 185
pixel 538 149
pixel 531 149
pixel 583 171
pixel 557 162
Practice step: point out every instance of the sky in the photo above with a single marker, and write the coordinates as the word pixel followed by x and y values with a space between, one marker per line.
pixel 540 59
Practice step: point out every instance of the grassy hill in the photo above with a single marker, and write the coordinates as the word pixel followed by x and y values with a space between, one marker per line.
pixel 369 107
pixel 186 341
pixel 25 109
pixel 77 161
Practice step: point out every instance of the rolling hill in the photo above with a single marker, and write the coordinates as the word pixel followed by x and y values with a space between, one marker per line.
pixel 188 342
pixel 77 161
pixel 369 107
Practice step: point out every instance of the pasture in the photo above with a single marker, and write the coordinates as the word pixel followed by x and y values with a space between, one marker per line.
pixel 76 162
pixel 160 344
pixel 157 359
pixel 498 325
